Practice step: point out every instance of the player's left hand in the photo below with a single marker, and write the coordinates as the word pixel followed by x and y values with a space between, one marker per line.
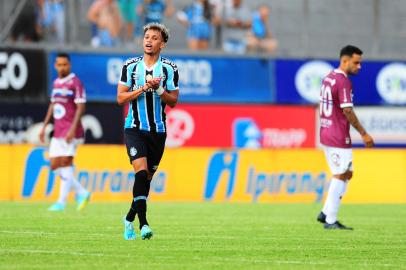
pixel 155 82
pixel 368 141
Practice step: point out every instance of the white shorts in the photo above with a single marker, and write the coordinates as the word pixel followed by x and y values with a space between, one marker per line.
pixel 60 148
pixel 339 159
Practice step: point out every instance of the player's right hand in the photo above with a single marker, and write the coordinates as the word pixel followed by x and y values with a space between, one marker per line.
pixel 368 141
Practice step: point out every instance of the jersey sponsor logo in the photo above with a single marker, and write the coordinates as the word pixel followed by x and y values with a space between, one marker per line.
pixel 62 92
pixel 326 123
pixel 13 71
pixel 309 78
pixel 59 111
pixel 391 83
pixel 180 127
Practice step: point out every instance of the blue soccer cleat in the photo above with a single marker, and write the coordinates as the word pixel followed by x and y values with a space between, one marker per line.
pixel 146 232
pixel 56 207
pixel 129 233
pixel 82 200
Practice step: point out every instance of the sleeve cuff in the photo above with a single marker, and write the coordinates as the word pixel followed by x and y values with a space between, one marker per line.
pixel 345 105
pixel 80 100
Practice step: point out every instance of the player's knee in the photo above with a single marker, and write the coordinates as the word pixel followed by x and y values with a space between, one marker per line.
pixel 54 167
pixel 54 164
pixel 341 176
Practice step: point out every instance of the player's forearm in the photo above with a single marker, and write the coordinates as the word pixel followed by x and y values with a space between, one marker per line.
pixel 78 115
pixel 170 98
pixel 48 116
pixel 353 119
pixel 124 97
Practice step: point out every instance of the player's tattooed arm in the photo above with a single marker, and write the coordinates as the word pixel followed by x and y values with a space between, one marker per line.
pixel 353 119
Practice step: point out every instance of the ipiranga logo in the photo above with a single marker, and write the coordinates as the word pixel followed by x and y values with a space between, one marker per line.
pixel 258 183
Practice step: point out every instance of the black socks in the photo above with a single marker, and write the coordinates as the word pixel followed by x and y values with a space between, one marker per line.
pixel 140 194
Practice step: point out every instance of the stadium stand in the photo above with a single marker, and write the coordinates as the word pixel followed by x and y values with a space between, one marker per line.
pixel 303 28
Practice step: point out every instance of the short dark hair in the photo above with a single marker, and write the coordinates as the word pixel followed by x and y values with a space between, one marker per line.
pixel 349 50
pixel 64 55
pixel 158 27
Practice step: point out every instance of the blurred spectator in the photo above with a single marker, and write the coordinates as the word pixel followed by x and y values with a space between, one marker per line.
pixel 217 16
pixel 106 15
pixel 129 15
pixel 237 19
pixel 52 19
pixel 260 37
pixel 27 25
pixel 197 17
pixel 155 10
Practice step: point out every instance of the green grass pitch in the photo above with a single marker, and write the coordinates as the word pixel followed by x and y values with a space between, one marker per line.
pixel 202 236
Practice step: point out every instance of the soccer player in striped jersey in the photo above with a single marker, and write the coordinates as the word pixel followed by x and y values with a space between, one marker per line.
pixel 336 116
pixel 148 83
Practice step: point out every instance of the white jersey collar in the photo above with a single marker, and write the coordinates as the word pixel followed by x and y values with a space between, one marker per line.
pixel 337 70
pixel 67 78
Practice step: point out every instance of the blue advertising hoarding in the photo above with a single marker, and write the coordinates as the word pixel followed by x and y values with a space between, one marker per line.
pixel 377 83
pixel 202 79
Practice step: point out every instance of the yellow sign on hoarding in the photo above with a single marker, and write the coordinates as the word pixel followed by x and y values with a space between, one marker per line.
pixel 207 174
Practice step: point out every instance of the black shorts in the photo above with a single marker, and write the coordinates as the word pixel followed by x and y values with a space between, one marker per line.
pixel 145 144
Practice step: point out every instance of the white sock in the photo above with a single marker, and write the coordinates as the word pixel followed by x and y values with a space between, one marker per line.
pixel 57 172
pixel 344 187
pixel 66 185
pixel 77 187
pixel 333 200
pixel 325 207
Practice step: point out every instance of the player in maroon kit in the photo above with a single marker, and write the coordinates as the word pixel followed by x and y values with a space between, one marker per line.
pixel 67 106
pixel 336 115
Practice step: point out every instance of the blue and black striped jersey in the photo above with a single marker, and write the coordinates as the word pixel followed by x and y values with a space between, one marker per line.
pixel 147 112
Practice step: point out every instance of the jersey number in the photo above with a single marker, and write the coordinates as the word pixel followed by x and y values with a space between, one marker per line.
pixel 326 104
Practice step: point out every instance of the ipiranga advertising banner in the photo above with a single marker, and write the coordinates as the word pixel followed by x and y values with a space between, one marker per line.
pixel 207 174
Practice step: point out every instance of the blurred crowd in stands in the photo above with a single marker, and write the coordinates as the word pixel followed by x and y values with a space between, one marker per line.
pixel 232 25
